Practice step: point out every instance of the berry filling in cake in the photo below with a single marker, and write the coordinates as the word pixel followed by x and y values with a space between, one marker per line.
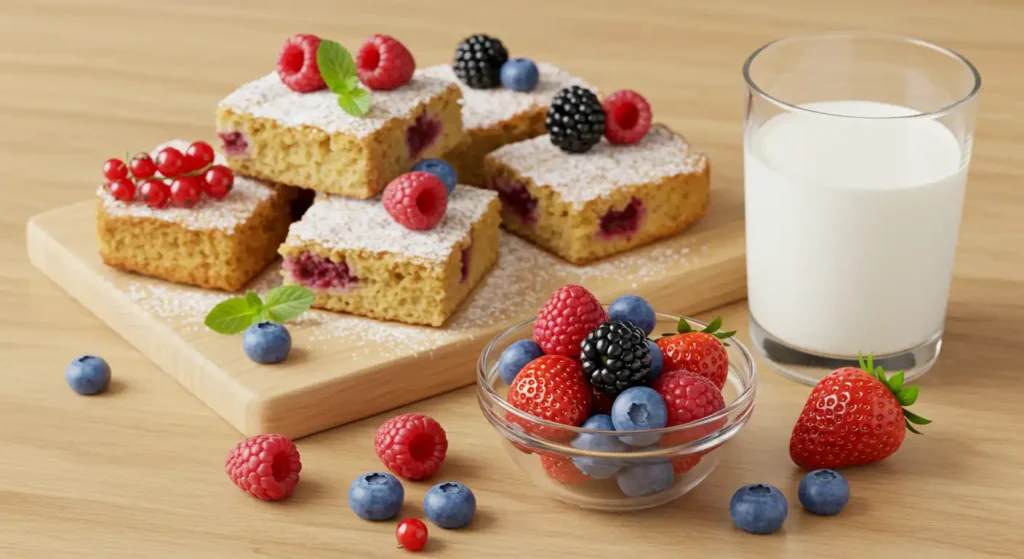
pixel 422 134
pixel 234 143
pixel 516 198
pixel 466 252
pixel 624 222
pixel 318 272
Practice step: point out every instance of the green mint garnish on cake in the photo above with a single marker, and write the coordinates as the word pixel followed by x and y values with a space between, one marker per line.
pixel 283 303
pixel 338 69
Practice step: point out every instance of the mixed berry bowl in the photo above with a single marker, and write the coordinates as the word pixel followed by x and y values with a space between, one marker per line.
pixel 625 470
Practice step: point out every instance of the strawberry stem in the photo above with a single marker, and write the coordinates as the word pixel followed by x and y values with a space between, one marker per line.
pixel 905 395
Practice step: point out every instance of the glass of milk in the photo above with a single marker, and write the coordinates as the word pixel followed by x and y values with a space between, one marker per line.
pixel 856 150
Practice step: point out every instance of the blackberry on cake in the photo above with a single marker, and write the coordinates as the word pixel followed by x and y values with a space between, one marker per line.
pixel 615 357
pixel 576 120
pixel 478 60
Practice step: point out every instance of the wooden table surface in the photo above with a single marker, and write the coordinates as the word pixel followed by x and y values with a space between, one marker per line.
pixel 139 472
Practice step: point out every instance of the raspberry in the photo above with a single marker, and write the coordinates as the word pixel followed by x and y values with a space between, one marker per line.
pixel 563 471
pixel 411 445
pixel 297 64
pixel 265 466
pixel 628 117
pixel 550 387
pixel 564 321
pixel 417 200
pixel 689 397
pixel 384 63
pixel 685 463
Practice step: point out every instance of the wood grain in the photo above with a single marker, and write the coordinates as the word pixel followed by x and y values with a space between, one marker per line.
pixel 137 472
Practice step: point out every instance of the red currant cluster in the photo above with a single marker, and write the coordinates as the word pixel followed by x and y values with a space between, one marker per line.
pixel 182 180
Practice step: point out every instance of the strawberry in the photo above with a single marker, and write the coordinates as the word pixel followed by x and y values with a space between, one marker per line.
pixel 563 470
pixel 564 321
pixel 551 387
pixel 698 352
pixel 853 417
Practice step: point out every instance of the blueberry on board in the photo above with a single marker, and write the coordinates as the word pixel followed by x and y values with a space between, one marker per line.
pixel 376 496
pixel 598 468
pixel 440 169
pixel 88 375
pixel 519 74
pixel 635 310
pixel 758 509
pixel 824 492
pixel 642 480
pixel 450 505
pixel 515 357
pixel 267 342
pixel 639 408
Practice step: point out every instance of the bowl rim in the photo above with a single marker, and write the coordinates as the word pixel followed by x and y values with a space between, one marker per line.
pixel 744 399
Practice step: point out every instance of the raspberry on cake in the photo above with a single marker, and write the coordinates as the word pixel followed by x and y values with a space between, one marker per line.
pixel 498 116
pixel 305 139
pixel 216 243
pixel 610 199
pixel 357 259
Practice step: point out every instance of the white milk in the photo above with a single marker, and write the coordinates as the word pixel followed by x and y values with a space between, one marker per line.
pixel 852 227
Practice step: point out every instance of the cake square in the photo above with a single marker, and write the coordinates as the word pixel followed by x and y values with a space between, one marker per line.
pixel 305 139
pixel 357 259
pixel 495 117
pixel 219 244
pixel 613 198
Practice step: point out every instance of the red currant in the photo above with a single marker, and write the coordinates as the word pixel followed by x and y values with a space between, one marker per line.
pixel 411 534
pixel 122 189
pixel 197 156
pixel 114 169
pixel 142 166
pixel 155 193
pixel 218 181
pixel 169 162
pixel 185 192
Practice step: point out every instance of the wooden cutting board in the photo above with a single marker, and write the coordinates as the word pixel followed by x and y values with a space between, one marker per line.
pixel 344 368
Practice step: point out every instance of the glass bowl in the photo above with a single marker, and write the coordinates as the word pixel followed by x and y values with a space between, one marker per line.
pixel 673 461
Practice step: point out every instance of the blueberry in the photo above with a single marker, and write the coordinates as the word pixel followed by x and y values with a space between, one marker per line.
pixel 376 496
pixel 645 479
pixel 449 505
pixel 519 74
pixel 824 492
pixel 639 408
pixel 88 375
pixel 598 468
pixel 440 169
pixel 657 360
pixel 635 310
pixel 758 509
pixel 515 357
pixel 267 342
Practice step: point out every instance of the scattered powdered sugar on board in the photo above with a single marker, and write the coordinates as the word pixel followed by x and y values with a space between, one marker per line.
pixel 208 214
pixel 268 97
pixel 519 284
pixel 581 178
pixel 484 108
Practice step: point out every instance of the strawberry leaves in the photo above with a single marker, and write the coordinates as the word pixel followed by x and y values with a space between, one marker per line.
pixel 905 395
pixel 712 328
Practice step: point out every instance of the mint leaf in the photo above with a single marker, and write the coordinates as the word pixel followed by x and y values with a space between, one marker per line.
pixel 287 302
pixel 355 102
pixel 232 315
pixel 352 82
pixel 336 66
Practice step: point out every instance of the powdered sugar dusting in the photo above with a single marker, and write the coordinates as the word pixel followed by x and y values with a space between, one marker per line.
pixel 208 214
pixel 340 223
pixel 268 97
pixel 581 178
pixel 483 108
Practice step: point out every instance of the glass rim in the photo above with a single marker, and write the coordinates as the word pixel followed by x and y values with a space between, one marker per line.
pixel 742 402
pixel 753 86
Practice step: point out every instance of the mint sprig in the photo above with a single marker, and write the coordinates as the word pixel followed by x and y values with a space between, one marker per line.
pixel 283 303
pixel 338 69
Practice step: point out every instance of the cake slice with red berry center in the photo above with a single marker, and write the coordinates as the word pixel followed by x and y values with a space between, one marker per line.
pixel 612 198
pixel 286 127
pixel 218 242
pixel 498 116
pixel 359 259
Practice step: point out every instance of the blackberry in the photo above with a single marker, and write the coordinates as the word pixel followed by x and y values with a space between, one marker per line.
pixel 615 357
pixel 575 120
pixel 478 61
